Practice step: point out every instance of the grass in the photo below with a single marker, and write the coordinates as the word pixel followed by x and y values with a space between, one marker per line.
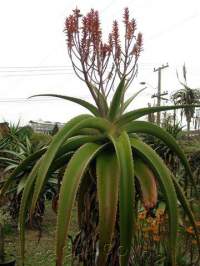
pixel 40 249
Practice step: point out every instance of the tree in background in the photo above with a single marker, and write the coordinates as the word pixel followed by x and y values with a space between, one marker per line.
pixel 187 96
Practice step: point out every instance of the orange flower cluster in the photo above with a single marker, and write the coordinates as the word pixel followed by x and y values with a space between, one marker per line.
pixel 130 26
pixel 115 42
pixel 189 230
pixel 152 231
pixel 138 46
pixel 99 63
pixel 152 225
pixel 142 215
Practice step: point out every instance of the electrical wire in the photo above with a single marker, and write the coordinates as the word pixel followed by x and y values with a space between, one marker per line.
pixel 36 74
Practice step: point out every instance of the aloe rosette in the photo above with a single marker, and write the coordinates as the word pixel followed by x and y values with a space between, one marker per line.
pixel 120 157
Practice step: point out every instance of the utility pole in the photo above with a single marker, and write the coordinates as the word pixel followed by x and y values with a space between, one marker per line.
pixel 159 94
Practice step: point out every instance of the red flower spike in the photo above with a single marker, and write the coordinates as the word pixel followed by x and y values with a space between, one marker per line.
pixel 92 58
pixel 126 16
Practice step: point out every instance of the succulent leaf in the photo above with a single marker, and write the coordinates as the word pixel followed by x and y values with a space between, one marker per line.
pixel 117 100
pixel 186 207
pixel 147 182
pixel 25 203
pixel 127 211
pixel 168 139
pixel 164 178
pixel 70 183
pixel 107 190
pixel 133 115
pixel 129 100
pixel 81 102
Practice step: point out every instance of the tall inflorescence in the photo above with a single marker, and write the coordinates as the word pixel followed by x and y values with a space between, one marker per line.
pixel 99 64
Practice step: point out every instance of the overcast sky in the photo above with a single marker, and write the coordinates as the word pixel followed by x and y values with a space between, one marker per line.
pixel 33 53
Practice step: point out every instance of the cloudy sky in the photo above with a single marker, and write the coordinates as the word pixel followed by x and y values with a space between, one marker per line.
pixel 33 53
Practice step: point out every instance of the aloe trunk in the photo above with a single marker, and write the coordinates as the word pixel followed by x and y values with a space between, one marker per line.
pixel 188 127
pixel 85 246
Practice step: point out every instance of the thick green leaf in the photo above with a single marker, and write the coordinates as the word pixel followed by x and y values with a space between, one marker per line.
pixel 117 101
pixel 53 148
pixel 129 100
pixel 12 153
pixel 60 162
pixel 133 115
pixel 101 99
pixel 168 139
pixel 70 129
pixel 186 207
pixel 83 103
pixel 77 141
pixel 66 151
pixel 25 203
pixel 70 183
pixel 147 181
pixel 7 160
pixel 89 132
pixel 10 167
pixel 164 178
pixel 126 194
pixel 23 165
pixel 21 184
pixel 107 191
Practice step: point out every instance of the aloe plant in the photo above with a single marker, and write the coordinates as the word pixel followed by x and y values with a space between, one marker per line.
pixel 186 95
pixel 102 150
pixel 164 151
pixel 18 150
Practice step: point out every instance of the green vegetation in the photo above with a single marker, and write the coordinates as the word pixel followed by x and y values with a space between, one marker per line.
pixel 120 180
pixel 40 245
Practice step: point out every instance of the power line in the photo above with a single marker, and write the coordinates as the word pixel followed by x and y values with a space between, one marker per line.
pixel 36 74
pixel 33 70
pixel 30 100
pixel 2 68
pixel 20 100
pixel 29 67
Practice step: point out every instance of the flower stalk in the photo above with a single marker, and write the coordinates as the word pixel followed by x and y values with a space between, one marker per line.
pixel 102 64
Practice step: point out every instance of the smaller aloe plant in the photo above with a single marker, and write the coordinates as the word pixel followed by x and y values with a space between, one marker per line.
pixel 188 96
pixel 107 139
pixel 21 147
